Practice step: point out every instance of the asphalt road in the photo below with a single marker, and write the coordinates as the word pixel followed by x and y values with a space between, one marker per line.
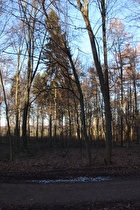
pixel 69 193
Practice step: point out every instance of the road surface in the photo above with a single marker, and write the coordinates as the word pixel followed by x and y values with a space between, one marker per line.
pixel 25 194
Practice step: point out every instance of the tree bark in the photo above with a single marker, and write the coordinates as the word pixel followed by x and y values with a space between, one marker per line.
pixel 37 120
pixel 42 118
pixel 17 130
pixel 84 130
pixel 107 95
pixel 55 114
pixel 25 115
pixel 136 108
pixel 7 118
pixel 69 115
pixel 96 120
pixel 103 81
pixel 121 66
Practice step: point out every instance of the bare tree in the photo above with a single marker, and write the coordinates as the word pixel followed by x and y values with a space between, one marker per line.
pixel 30 14
pixel 84 9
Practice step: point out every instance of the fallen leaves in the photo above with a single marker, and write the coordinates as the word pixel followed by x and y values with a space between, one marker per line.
pixel 52 163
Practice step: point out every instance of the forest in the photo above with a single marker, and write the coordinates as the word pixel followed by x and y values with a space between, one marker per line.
pixel 70 104
pixel 69 73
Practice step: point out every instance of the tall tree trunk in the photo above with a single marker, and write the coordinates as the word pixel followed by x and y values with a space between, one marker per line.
pixel 50 123
pixel 28 124
pixel 50 126
pixel 107 97
pixel 37 120
pixel 42 128
pixel 27 93
pixel 69 115
pixel 96 119
pixel 103 81
pixel 55 115
pixel 78 127
pixel 7 118
pixel 0 110
pixel 84 130
pixel 121 96
pixel 128 124
pixel 61 135
pixel 17 130
pixel 24 123
pixel 136 109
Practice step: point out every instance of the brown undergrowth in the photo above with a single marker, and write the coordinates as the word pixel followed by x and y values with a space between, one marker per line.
pixel 50 163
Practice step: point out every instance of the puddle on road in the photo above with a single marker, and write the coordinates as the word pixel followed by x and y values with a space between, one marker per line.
pixel 72 180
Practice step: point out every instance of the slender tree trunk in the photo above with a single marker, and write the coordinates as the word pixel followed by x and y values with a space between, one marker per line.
pixel 69 114
pixel 42 116
pixel 55 115
pixel 121 98
pixel 50 123
pixel 25 115
pixel 17 131
pixel 78 127
pixel 7 118
pixel 96 119
pixel 19 119
pixel 37 119
pixel 136 110
pixel 84 130
pixel 0 111
pixel 27 93
pixel 107 95
pixel 61 133
pixel 28 124
pixel 130 111
pixel 50 126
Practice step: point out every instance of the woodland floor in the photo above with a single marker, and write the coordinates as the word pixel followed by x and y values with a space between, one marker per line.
pixel 121 191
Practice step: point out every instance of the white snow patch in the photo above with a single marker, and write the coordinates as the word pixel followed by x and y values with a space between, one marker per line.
pixel 72 180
